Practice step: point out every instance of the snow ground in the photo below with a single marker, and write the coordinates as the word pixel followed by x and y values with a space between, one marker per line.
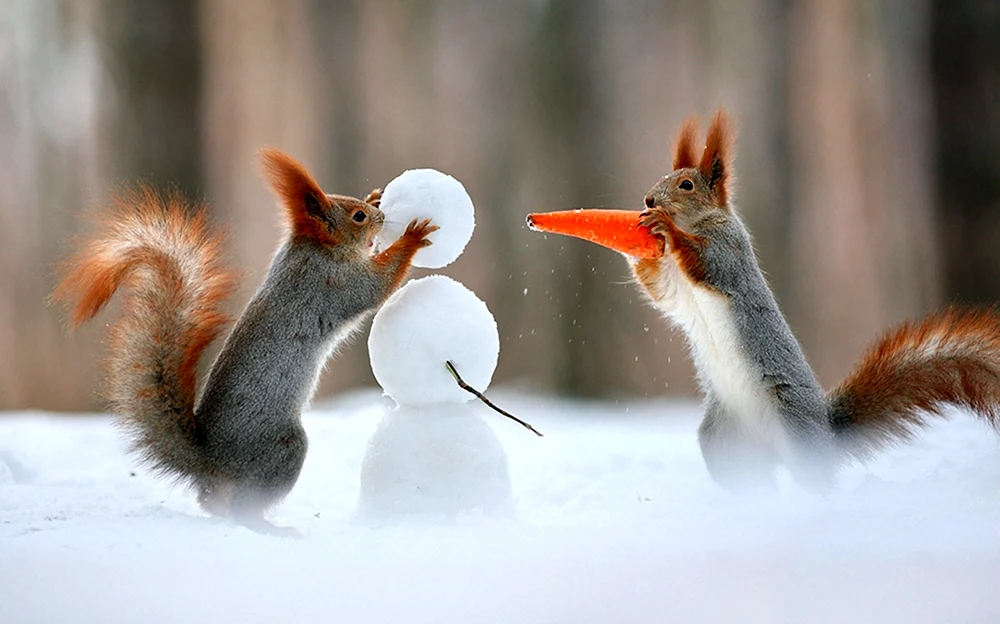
pixel 617 521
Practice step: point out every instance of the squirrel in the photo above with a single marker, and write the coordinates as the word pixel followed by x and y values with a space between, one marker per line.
pixel 240 445
pixel 763 405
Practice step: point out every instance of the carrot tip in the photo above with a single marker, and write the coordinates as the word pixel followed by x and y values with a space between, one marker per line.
pixel 619 230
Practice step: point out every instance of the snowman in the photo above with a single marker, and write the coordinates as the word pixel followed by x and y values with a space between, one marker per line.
pixel 433 454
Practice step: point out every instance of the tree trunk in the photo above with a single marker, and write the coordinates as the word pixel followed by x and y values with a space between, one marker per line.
pixel 965 49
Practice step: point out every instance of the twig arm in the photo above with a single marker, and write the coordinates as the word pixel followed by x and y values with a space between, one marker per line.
pixel 479 395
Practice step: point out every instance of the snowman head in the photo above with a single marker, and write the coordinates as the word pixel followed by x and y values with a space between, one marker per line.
pixel 428 194
pixel 425 324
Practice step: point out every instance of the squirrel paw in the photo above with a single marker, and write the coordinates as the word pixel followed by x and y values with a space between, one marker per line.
pixel 418 231
pixel 374 198
pixel 263 527
pixel 658 221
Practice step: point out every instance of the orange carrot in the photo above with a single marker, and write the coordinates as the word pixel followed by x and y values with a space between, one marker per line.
pixel 614 229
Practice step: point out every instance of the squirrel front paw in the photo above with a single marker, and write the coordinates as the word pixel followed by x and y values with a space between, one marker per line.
pixel 418 231
pixel 374 198
pixel 686 248
pixel 658 221
pixel 396 260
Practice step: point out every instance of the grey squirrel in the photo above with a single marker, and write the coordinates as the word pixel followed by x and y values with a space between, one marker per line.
pixel 763 404
pixel 241 445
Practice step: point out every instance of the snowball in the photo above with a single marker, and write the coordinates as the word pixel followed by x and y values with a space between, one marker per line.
pixel 434 460
pixel 424 324
pixel 428 194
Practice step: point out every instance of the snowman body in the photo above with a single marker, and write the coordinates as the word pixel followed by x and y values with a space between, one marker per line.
pixel 434 460
pixel 433 454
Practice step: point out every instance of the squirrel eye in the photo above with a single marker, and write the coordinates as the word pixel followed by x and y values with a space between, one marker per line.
pixel 359 216
pixel 686 185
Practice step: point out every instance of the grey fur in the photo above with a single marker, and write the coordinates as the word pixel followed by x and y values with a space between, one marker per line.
pixel 248 419
pixel 779 363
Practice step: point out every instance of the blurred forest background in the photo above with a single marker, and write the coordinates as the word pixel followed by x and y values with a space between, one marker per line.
pixel 868 158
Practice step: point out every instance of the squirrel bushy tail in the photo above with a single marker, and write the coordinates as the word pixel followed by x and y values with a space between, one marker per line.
pixel 912 373
pixel 161 249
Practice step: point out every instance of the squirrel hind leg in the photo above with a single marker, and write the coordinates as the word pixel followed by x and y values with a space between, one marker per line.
pixel 814 472
pixel 244 506
pixel 248 507
pixel 733 460
pixel 814 460
pixel 215 498
pixel 271 477
pixel 259 525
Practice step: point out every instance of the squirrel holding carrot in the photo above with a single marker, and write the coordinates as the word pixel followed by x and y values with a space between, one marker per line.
pixel 240 445
pixel 763 404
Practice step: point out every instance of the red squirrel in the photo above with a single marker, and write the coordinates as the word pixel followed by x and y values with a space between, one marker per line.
pixel 241 444
pixel 763 404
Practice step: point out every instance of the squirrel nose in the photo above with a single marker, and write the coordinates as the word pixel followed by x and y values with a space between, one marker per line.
pixel 650 201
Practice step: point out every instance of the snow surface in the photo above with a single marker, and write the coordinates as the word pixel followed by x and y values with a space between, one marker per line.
pixel 423 325
pixel 615 520
pixel 428 194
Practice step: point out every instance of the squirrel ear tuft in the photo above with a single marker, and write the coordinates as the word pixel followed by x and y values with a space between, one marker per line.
pixel 299 193
pixel 684 150
pixel 716 160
